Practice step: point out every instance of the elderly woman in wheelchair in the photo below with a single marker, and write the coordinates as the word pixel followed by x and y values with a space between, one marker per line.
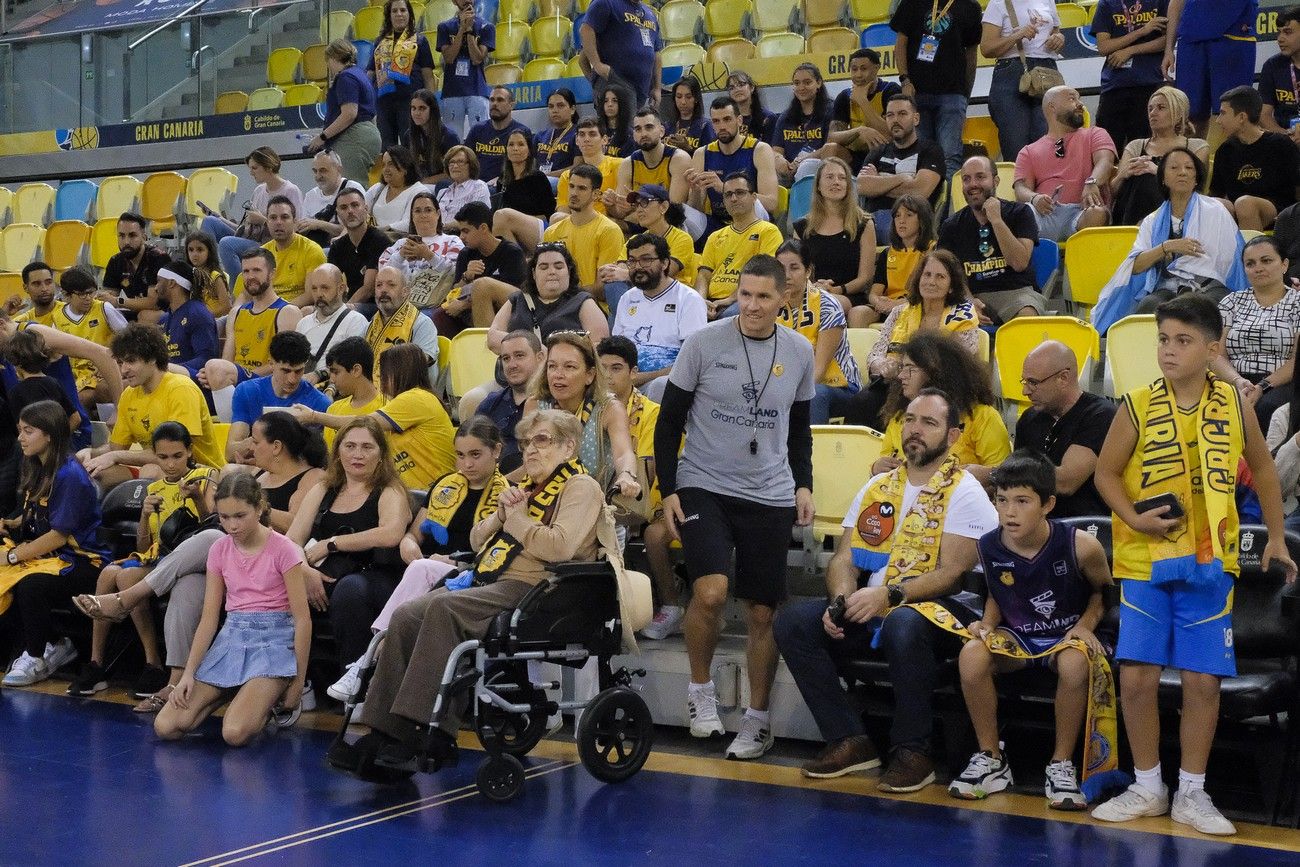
pixel 514 605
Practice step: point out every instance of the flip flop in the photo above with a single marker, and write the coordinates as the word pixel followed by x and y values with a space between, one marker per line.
pixel 155 702
pixel 89 605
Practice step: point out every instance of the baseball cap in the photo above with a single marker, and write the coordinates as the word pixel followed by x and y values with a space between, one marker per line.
pixel 651 192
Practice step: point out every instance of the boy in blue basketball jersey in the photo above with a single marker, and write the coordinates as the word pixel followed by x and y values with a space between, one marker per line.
pixel 1045 581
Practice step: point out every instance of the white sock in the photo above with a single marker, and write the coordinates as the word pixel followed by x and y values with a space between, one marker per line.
pixel 1189 782
pixel 760 715
pixel 696 688
pixel 1150 780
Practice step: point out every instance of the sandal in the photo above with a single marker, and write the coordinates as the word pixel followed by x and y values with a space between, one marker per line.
pixel 91 607
pixel 155 702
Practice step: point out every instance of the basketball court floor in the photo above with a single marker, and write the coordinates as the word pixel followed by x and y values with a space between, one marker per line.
pixel 85 782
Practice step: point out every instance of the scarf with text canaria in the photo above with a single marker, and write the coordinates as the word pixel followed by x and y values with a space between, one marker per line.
pixel 395 58
pixel 499 551
pixel 398 329
pixel 907 544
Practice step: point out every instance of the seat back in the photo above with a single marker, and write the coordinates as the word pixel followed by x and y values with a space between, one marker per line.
pixel 65 241
pixel 265 98
pixel 33 203
pixel 214 187
pixel 367 23
pixel 6 204
pixel 1131 354
pixel 1045 260
pixel 18 245
pixel 335 25
pixel 282 66
pixel 103 241
pixel 877 36
pixel 1016 338
pixel 861 342
pixel 547 8
pixel 774 16
pixel 578 605
pixel 365 53
pixel 514 10
pixel 832 40
pixel 502 73
pixel 1264 623
pixel 780 44
pixel 512 34
pixel 11 285
pixel 1091 258
pixel 550 37
pixel 981 128
pixel 472 363
pixel 123 502
pixel 824 13
pixel 680 20
pixel 543 69
pixel 313 64
pixel 725 19
pixel 801 198
pixel 842 459
pixel 984 351
pixel 1073 15
pixel 117 195
pixel 231 102
pixel 436 12
pixel 160 196
pixel 75 200
pixel 868 12
pixel 683 54
pixel 303 94
pixel 731 50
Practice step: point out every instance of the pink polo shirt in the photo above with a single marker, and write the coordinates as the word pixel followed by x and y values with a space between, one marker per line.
pixel 1040 167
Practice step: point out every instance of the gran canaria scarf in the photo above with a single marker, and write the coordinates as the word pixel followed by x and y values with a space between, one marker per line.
pixel 447 494
pixel 398 329
pixel 914 549
pixel 955 319
pixel 500 551
pixel 395 57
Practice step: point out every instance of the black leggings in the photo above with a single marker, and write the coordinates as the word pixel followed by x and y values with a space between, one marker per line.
pixel 38 594
pixel 355 602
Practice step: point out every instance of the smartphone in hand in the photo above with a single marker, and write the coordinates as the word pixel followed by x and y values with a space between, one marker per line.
pixel 205 209
pixel 1153 503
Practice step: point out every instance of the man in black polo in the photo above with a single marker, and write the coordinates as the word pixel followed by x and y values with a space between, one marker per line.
pixel 133 270
pixel 1065 423
pixel 994 239
pixel 356 252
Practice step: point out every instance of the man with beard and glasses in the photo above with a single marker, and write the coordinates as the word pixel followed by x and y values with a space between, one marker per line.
pixel 1063 175
pixel 296 256
pixel 133 270
pixel 488 139
pixel 328 322
pixel 356 252
pixel 656 215
pixel 657 314
pixel 398 321
pixel 653 162
pixel 728 153
pixel 907 165
pixel 319 221
pixel 994 240
pixel 282 388
pixel 892 554
pixel 249 329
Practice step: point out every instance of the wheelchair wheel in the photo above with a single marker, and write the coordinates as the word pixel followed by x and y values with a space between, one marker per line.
pixel 516 733
pixel 500 778
pixel 616 734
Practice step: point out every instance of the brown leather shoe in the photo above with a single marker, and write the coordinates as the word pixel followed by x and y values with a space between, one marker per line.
pixel 843 756
pixel 909 771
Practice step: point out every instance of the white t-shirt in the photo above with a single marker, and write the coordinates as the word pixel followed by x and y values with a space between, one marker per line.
pixel 311 327
pixel 395 215
pixel 659 326
pixel 1039 12
pixel 970 513
pixel 314 201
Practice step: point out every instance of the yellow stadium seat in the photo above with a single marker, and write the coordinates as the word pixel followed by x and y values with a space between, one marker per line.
pixel 1073 15
pixel 832 40
pixel 550 37
pixel 780 44
pixel 548 8
pixel 955 195
pixel 824 13
pixel 335 25
pixel 1250 234
pixel 983 352
pixel 731 50
pixel 1131 354
pixel 685 55
pixel 868 12
pixel 436 12
pixel 214 187
pixel 472 363
pixel 160 196
pixel 6 204
pixel 543 69
pixel 117 195
pixel 573 69
pixel 982 129
pixel 417 12
pixel 231 102
pixel 103 241
pixel 34 203
pixel 367 23
pixel 513 10
pixel 842 459
pixel 265 98
pixel 313 63
pixel 304 94
pixel 1016 338
pixel 65 241
pixel 1091 257
pixel 725 19
pixel 583 4
pixel 444 365
pixel 775 16
pixel 10 285
pixel 19 243
pixel 221 434
pixel 282 66
pixel 511 36
pixel 680 20
pixel 502 73
pixel 861 340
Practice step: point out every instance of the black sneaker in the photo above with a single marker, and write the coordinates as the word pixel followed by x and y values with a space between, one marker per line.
pixel 91 679
pixel 151 679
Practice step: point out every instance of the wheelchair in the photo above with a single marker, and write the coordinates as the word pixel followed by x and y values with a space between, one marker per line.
pixel 568 618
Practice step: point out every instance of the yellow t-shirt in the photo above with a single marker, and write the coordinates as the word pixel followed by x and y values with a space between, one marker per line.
pixel 899 265
pixel 174 498
pixel 422 442
pixel 682 248
pixel 343 406
pixel 29 315
pixel 608 181
pixel 642 428
pixel 983 442
pixel 252 333
pixel 728 249
pixel 93 327
pixel 292 265
pixel 177 399
pixel 597 243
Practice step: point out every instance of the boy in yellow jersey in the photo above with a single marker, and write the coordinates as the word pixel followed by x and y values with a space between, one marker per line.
pixel 250 327
pixel 38 283
pixel 591 148
pixel 729 248
pixel 296 255
pixel 351 365
pixel 591 238
pixel 1168 470
pixel 89 318
pixel 152 396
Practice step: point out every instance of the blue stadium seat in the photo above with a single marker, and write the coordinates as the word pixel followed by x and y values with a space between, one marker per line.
pixel 74 200
pixel 577 32
pixel 801 198
pixel 1046 262
pixel 878 36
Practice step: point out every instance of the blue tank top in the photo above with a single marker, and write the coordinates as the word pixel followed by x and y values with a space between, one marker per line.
pixel 724 164
pixel 1041 598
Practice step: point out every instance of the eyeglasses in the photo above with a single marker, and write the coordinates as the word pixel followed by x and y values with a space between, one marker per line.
pixel 551 247
pixel 907 368
pixel 643 260
pixel 641 203
pixel 737 194
pixel 1028 383
pixel 541 440
pixel 1060 148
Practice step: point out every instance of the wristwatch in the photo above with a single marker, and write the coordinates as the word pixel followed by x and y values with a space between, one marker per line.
pixel 12 557
pixel 331 545
pixel 896 596
pixel 903 78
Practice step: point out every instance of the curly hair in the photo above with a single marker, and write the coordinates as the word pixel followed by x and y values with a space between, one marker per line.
pixel 947 365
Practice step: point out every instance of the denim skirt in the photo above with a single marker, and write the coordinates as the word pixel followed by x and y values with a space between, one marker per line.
pixel 250 644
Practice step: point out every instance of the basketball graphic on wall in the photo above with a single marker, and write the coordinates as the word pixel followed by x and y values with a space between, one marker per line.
pixel 77 138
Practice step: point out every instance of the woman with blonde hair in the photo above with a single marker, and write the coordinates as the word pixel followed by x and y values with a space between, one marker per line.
pixel 349 129
pixel 839 237
pixel 1135 186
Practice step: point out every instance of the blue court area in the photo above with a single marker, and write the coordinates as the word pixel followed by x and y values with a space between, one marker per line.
pixel 86 783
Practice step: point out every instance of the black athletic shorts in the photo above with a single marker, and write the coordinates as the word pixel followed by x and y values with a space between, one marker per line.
pixel 718 526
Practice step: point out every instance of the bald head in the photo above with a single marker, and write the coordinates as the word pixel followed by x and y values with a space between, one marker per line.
pixel 1050 377
pixel 1063 109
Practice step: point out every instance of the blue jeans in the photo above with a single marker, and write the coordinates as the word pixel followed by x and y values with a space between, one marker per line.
pixel 1019 119
pixel 942 117
pixel 229 246
pixel 456 110
pixel 830 400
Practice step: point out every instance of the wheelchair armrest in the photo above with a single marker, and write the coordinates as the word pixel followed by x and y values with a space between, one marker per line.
pixel 579 567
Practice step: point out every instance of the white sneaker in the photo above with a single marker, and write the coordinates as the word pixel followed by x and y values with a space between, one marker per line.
pixel 346 687
pixel 308 701
pixel 1196 809
pixel 753 739
pixel 59 655
pixel 668 621
pixel 1133 803
pixel 702 707
pixel 26 670
pixel 984 775
pixel 1062 787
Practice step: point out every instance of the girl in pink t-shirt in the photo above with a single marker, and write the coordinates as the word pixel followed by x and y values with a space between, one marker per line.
pixel 261 652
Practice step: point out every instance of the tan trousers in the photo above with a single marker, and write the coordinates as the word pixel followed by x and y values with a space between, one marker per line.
pixel 421 636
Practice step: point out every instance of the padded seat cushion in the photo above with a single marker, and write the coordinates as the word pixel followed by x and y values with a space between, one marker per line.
pixel 1254 693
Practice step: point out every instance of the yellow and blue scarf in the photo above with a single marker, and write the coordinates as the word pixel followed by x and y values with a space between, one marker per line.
pixel 500 551
pixel 447 494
